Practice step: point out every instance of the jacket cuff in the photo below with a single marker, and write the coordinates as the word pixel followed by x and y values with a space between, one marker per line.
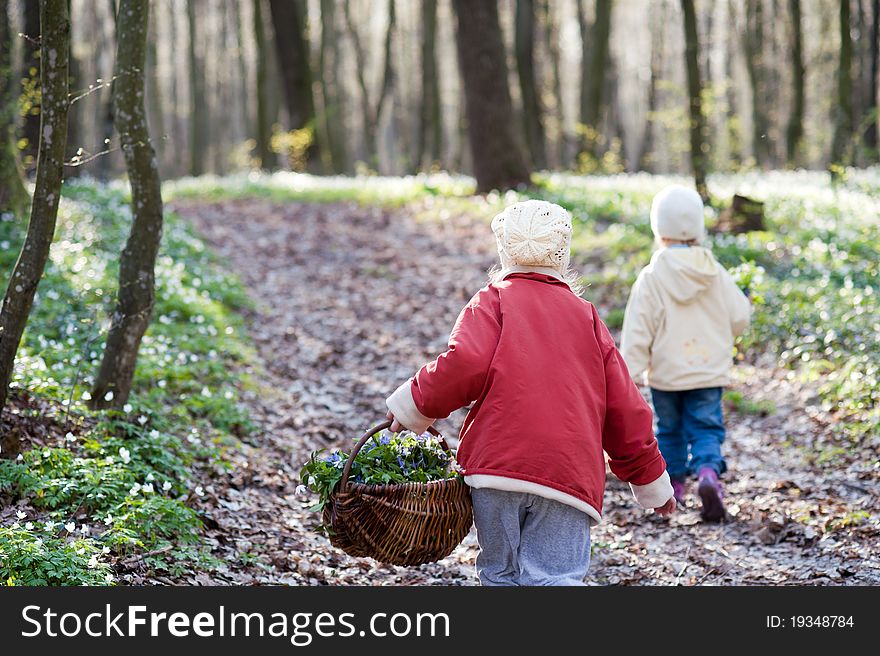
pixel 654 494
pixel 403 407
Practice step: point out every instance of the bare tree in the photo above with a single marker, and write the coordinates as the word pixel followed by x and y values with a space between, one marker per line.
pixel 525 68
pixel 136 293
pixel 795 130
pixel 430 137
pixel 264 127
pixel 30 75
pixel 292 47
pixel 198 120
pixel 498 161
pixel 551 39
pixel 373 110
pixel 843 120
pixel 54 89
pixel 13 195
pixel 331 88
pixel 594 64
pixel 699 144
pixel 871 106
pixel 754 52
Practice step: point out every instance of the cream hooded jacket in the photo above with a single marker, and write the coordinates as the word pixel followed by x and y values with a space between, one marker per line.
pixel 683 314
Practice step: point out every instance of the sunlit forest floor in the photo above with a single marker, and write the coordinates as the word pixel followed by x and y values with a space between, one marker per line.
pixel 290 306
pixel 351 298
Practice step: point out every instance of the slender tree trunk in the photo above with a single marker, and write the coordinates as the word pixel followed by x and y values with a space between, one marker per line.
pixel 154 91
pixel 430 127
pixel 31 79
pixel 733 125
pixel 292 47
pixel 138 260
pixel 498 161
pixel 871 106
pixel 331 80
pixel 13 195
pixel 264 127
pixel 372 111
pixel 243 86
pixel 525 68
pixel 699 145
pixel 551 37
pixel 107 112
pixel 75 124
pixel 198 118
pixel 647 157
pixel 54 88
pixel 754 52
pixel 795 130
pixel 843 123
pixel 593 68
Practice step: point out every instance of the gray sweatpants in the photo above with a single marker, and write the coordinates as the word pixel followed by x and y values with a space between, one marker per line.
pixel 526 539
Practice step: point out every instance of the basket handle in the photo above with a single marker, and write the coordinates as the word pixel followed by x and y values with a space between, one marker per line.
pixel 372 431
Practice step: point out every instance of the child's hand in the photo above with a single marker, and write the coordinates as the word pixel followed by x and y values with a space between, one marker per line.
pixel 667 508
pixel 395 425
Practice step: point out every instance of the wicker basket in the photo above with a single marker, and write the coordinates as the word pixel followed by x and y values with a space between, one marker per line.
pixel 399 524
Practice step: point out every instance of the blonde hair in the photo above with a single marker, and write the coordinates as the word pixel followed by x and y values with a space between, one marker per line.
pixel 570 277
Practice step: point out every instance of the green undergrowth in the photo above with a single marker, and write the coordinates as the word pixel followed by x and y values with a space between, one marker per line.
pixel 89 489
pixel 813 274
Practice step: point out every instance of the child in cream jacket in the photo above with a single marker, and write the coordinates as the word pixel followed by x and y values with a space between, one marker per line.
pixel 683 314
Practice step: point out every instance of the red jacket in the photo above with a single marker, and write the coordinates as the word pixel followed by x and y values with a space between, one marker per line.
pixel 550 392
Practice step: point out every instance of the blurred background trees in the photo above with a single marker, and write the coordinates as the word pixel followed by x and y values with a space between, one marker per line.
pixel 377 85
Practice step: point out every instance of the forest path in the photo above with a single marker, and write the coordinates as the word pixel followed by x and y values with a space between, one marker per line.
pixel 349 301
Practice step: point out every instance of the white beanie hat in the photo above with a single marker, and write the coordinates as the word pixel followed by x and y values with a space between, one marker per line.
pixel 533 233
pixel 677 213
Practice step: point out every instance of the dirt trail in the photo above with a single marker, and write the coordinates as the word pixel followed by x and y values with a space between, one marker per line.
pixel 351 300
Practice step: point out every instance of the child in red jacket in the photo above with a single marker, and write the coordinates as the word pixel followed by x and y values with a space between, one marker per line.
pixel 549 392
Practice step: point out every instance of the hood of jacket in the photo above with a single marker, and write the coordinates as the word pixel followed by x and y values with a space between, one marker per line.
pixel 685 273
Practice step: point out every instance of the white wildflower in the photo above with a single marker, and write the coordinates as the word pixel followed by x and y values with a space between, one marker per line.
pixel 142 420
pixel 93 561
pixel 50 526
pixel 154 434
pixel 108 520
pixel 20 457
pixel 166 486
pixel 148 488
pixel 70 527
pixel 301 489
pixel 135 490
pixel 105 549
pixel 84 529
pixel 200 491
pixel 70 437
pixel 29 526
pixel 150 477
pixel 86 396
pixel 125 454
pixel 126 407
pixel 20 514
pixel 108 396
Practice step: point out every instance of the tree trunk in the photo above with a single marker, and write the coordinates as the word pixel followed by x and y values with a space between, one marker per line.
pixel 593 66
pixel 754 52
pixel 551 37
pixel 699 146
pixel 733 132
pixel 498 162
pixel 156 120
pixel 331 91
pixel 54 89
pixel 292 47
pixel 372 112
pixel 264 127
pixel 843 124
pixel 13 195
pixel 138 260
pixel 103 162
pixel 430 126
pixel 525 68
pixel 795 130
pixel 198 119
pixel 871 106
pixel 647 158
pixel 30 75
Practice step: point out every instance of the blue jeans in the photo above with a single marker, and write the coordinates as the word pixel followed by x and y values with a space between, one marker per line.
pixel 690 430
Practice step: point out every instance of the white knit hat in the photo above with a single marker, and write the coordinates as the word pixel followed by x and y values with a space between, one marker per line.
pixel 677 213
pixel 533 233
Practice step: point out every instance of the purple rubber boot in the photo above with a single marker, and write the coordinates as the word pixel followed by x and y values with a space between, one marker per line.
pixel 711 495
pixel 679 490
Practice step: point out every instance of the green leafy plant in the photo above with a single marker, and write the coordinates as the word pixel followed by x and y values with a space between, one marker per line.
pixel 386 458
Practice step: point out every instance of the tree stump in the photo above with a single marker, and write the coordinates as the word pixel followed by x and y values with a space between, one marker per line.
pixel 744 215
